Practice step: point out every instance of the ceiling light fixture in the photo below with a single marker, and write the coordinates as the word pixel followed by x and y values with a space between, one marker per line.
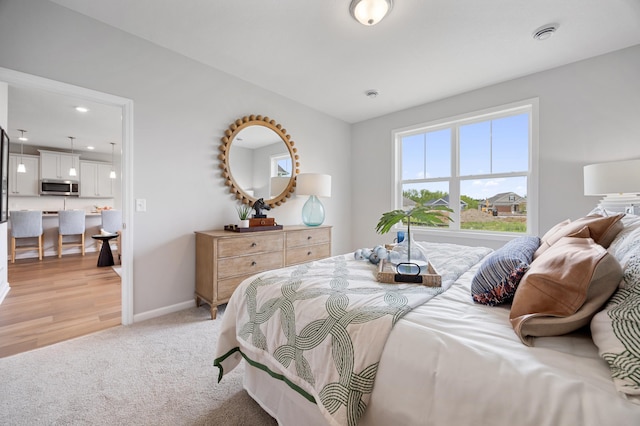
pixel 370 12
pixel 82 109
pixel 22 137
pixel 72 170
pixel 545 32
pixel 112 174
pixel 371 93
pixel 21 167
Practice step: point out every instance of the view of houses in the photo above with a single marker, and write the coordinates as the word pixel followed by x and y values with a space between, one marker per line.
pixel 503 212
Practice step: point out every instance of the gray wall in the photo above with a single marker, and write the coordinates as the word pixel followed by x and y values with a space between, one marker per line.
pixel 181 110
pixel 588 114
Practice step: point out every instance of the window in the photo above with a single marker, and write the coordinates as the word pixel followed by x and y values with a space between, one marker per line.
pixel 480 165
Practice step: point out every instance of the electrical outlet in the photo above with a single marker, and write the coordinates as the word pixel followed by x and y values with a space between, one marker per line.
pixel 141 205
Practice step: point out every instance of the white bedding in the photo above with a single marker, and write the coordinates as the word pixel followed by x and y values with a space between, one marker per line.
pixel 451 361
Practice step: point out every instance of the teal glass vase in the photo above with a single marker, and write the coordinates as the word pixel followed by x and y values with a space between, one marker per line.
pixel 313 212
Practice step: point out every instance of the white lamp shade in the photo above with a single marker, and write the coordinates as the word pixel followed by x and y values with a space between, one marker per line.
pixel 618 177
pixel 313 184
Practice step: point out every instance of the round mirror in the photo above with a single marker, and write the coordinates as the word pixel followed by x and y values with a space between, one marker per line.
pixel 259 160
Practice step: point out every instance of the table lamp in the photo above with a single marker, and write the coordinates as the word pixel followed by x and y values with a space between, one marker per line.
pixel 618 181
pixel 314 185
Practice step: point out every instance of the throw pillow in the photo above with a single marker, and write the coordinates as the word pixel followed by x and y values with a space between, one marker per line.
pixel 499 275
pixel 603 229
pixel 563 289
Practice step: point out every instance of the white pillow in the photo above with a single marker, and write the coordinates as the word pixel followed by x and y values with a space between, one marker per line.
pixel 616 329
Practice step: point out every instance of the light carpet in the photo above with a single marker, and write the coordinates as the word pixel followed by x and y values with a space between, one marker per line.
pixel 156 372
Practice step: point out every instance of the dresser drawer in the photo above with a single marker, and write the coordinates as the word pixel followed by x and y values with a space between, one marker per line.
pixel 308 236
pixel 308 253
pixel 250 244
pixel 249 264
pixel 228 286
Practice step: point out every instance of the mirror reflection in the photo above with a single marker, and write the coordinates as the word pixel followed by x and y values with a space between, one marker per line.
pixel 259 160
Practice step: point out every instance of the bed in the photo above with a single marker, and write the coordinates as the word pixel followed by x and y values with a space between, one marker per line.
pixel 436 357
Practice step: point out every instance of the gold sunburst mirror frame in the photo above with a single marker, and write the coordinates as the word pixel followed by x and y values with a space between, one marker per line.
pixel 231 136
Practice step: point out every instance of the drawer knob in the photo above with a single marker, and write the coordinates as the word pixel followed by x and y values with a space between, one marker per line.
pixel 253 263
pixel 308 253
pixel 309 237
pixel 254 244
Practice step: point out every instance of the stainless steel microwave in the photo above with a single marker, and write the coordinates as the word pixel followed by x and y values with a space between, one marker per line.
pixel 58 187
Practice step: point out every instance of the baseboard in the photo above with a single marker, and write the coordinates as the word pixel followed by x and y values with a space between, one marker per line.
pixel 164 311
pixel 4 290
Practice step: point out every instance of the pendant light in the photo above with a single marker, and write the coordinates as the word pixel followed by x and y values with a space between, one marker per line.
pixel 21 167
pixel 72 170
pixel 112 174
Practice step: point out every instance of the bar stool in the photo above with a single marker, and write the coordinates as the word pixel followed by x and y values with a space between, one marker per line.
pixel 26 224
pixel 112 223
pixel 70 222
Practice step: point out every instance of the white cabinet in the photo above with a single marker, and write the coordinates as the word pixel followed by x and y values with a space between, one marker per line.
pixel 95 181
pixel 24 184
pixel 56 165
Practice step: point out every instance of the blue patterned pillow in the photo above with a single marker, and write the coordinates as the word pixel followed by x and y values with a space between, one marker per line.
pixel 499 275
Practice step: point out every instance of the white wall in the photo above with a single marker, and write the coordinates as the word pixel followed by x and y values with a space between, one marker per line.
pixel 588 114
pixel 181 110
pixel 4 284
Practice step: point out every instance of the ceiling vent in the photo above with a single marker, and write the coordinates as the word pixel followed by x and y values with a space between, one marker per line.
pixel 544 32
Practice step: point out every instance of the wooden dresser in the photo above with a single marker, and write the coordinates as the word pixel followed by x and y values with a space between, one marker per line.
pixel 224 258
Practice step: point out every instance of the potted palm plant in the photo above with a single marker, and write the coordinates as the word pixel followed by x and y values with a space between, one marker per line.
pixel 244 211
pixel 422 215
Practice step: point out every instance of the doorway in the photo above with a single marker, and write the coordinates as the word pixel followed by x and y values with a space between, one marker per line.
pixel 27 81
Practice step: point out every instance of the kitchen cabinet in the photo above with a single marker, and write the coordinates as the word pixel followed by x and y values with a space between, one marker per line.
pixel 224 259
pixel 95 181
pixel 56 165
pixel 24 184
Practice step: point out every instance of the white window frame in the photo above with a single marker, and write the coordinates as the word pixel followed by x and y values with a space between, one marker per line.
pixel 529 105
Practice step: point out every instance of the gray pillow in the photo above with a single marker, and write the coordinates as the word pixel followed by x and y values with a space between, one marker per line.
pixel 499 275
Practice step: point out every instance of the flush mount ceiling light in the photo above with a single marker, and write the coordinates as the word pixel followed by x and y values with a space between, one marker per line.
pixel 545 32
pixel 370 12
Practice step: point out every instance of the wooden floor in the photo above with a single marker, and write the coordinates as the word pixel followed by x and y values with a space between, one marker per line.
pixel 57 299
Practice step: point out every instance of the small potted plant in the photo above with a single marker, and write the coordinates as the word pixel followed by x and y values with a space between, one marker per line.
pixel 244 211
pixel 423 215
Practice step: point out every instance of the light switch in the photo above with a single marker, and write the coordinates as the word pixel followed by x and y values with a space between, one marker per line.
pixel 141 205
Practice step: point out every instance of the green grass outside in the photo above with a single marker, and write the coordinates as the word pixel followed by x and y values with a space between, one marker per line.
pixel 496 226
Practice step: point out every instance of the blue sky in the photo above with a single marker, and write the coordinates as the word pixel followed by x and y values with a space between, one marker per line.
pixel 495 146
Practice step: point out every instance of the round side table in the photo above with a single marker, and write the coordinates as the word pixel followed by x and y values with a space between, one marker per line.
pixel 106 257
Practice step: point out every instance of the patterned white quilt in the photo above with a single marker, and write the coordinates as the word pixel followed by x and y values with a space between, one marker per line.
pixel 321 326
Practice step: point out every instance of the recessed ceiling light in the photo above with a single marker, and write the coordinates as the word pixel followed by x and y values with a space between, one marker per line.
pixel 91 148
pixel 372 93
pixel 545 32
pixel 82 109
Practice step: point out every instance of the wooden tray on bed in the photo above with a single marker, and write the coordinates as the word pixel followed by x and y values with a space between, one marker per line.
pixel 387 274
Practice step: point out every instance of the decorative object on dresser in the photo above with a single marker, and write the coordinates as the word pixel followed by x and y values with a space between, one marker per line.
pixel 314 185
pixel 225 259
pixel 244 211
pixel 618 182
pixel 265 144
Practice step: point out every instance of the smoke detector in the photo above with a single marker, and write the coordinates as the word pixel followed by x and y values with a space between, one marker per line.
pixel 372 93
pixel 545 32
